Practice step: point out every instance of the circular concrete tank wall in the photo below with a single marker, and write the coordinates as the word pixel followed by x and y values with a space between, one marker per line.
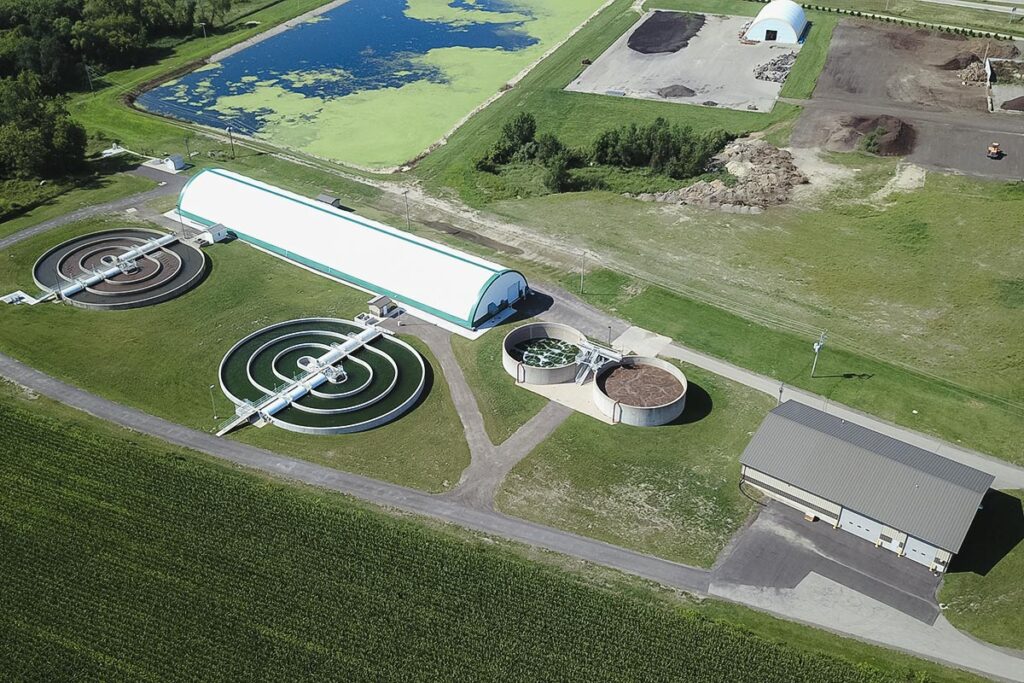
pixel 541 353
pixel 638 391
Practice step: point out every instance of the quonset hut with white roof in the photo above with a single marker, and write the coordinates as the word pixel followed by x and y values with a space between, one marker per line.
pixel 424 276
pixel 781 21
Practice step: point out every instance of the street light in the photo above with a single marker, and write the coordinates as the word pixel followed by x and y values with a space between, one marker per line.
pixel 213 407
pixel 408 223
pixel 818 346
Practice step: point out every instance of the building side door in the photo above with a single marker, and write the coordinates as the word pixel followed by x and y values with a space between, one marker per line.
pixel 919 551
pixel 771 35
pixel 859 525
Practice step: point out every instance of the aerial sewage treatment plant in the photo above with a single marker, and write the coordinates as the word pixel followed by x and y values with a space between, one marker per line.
pixel 632 390
pixel 321 376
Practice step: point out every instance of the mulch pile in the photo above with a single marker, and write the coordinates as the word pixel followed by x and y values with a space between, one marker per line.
pixel 665 32
pixel 675 91
pixel 893 136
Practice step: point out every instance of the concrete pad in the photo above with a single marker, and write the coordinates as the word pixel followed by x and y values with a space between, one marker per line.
pixel 715 65
pixel 641 342
pixel 570 395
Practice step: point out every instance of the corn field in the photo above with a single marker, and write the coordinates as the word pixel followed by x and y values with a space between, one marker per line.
pixel 126 561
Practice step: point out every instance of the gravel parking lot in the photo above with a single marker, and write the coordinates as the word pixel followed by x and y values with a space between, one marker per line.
pixel 713 69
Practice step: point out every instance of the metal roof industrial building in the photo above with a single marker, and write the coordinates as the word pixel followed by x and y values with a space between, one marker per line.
pixel 431 278
pixel 918 492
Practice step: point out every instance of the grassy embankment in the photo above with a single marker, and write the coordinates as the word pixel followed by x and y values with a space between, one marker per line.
pixel 162 359
pixel 671 491
pixel 983 589
pixel 101 182
pixel 117 542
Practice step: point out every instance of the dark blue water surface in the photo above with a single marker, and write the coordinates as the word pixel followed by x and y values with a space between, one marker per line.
pixel 371 40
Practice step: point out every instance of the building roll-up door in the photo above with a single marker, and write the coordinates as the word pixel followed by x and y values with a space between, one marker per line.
pixel 859 525
pixel 919 551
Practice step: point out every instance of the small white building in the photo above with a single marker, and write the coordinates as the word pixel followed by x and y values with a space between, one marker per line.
pixel 780 21
pixel 172 163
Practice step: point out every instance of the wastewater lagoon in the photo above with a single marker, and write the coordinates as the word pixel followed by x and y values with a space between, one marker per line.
pixel 371 83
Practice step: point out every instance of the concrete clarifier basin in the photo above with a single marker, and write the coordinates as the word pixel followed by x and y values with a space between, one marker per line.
pixel 532 374
pixel 654 373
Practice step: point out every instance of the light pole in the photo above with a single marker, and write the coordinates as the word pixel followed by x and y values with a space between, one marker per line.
pixel 818 346
pixel 408 223
pixel 231 139
pixel 609 336
pixel 202 25
pixel 782 386
pixel 213 407
pixel 583 267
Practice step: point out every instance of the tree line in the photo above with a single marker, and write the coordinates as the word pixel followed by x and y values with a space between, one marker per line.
pixel 46 47
pixel 670 149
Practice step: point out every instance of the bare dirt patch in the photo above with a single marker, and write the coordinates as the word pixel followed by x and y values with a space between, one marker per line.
pixel 642 386
pixel 674 91
pixel 882 135
pixel 665 32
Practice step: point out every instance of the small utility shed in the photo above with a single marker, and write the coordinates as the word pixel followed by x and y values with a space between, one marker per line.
pixel 780 21
pixel 898 496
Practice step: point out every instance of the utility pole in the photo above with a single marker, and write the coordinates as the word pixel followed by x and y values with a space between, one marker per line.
pixel 213 407
pixel 583 267
pixel 782 386
pixel 408 223
pixel 818 346
pixel 88 76
pixel 187 150
pixel 231 139
pixel 609 336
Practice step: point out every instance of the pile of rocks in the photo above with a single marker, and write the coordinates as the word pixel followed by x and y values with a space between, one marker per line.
pixel 776 69
pixel 765 176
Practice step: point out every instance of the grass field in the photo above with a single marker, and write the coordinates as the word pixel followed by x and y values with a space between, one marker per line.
pixel 127 560
pixel 163 359
pixel 97 190
pixel 983 589
pixel 885 390
pixel 670 491
pixel 504 406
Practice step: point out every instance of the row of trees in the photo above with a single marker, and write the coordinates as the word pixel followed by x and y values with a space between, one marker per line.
pixel 673 150
pixel 55 39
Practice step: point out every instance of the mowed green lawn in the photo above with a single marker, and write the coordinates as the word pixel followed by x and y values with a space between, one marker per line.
pixel 164 358
pixel 504 406
pixel 125 559
pixel 983 590
pixel 671 491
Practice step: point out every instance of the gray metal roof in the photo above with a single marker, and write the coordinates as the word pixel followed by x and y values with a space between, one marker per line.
pixel 908 488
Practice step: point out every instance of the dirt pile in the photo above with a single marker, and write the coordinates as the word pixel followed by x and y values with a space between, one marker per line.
pixel 776 69
pixel 882 135
pixel 765 176
pixel 1016 104
pixel 977 50
pixel 665 32
pixel 673 91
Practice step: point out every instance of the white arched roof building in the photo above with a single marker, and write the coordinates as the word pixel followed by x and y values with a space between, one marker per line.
pixel 781 21
pixel 424 276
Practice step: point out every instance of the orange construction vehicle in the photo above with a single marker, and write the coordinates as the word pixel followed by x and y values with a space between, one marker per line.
pixel 994 152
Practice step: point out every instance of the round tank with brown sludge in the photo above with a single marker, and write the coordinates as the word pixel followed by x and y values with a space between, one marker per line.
pixel 541 353
pixel 639 391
